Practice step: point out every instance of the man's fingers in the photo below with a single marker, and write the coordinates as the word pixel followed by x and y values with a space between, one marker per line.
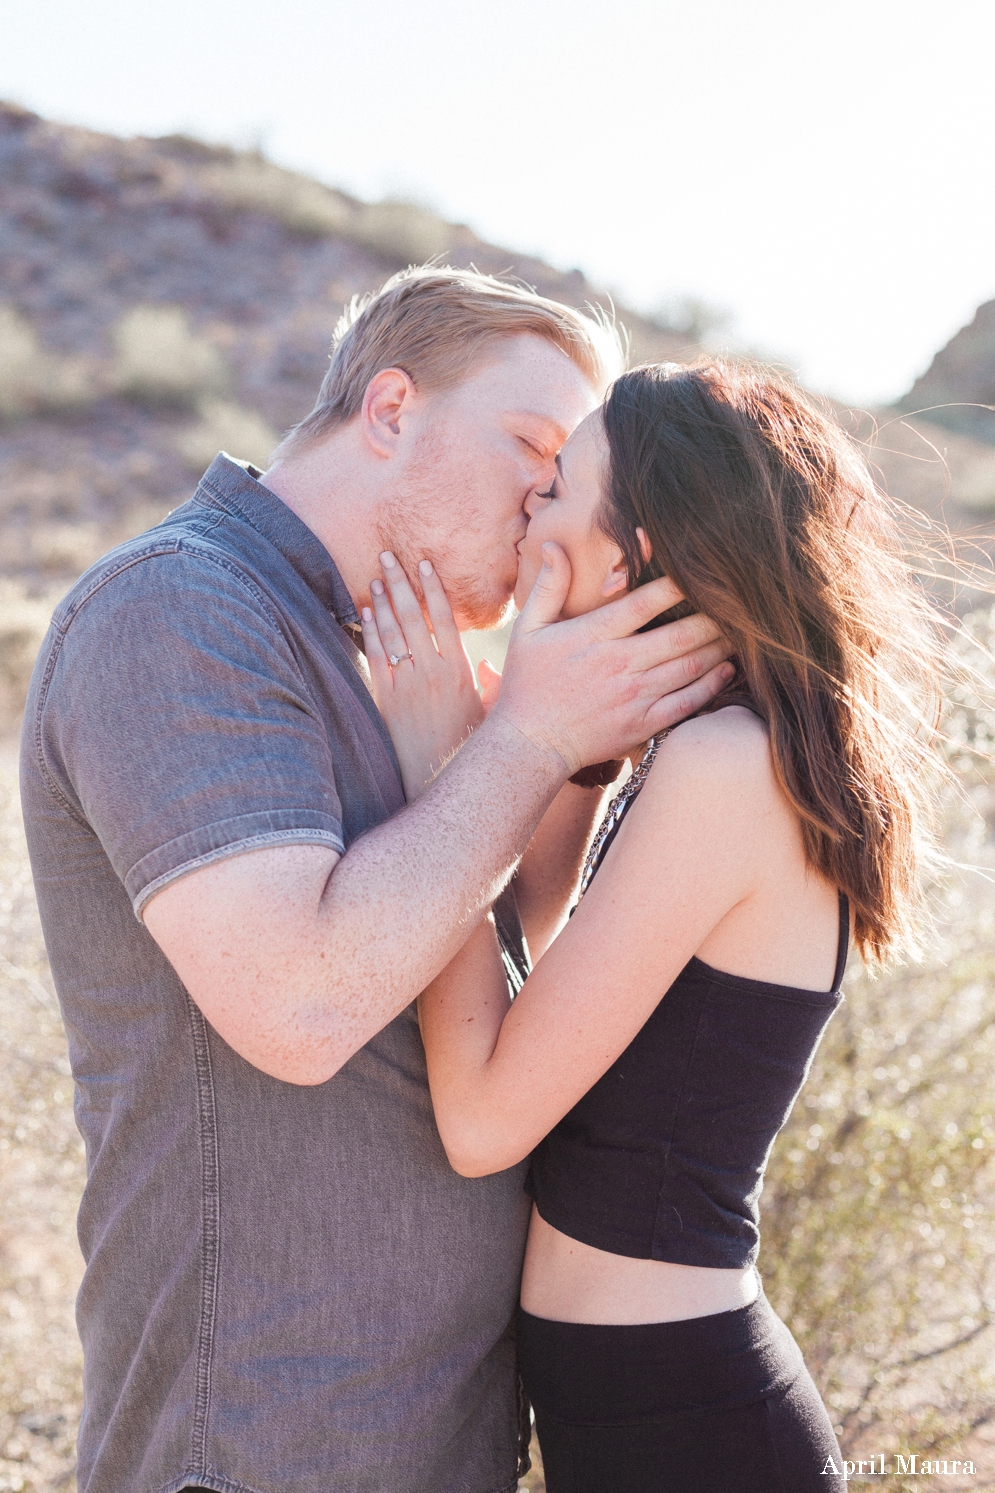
pixel 681 703
pixel 443 623
pixel 676 640
pixel 676 673
pixel 545 600
pixel 631 612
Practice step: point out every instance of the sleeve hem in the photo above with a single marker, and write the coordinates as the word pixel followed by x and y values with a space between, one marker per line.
pixel 238 847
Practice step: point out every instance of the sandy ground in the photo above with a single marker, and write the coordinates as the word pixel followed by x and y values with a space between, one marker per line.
pixel 41 1178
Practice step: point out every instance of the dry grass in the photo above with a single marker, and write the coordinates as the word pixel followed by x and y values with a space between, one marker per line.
pixel 879 1213
pixel 41 1178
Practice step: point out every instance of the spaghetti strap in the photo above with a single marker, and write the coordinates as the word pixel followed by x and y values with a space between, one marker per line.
pixel 843 948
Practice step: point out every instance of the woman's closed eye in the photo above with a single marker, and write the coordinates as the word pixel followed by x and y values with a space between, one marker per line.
pixel 551 493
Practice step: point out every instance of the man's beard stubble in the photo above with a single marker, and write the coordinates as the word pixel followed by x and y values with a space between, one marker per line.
pixel 413 528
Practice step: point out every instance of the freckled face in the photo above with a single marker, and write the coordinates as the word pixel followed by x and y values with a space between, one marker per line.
pixel 484 446
pixel 565 512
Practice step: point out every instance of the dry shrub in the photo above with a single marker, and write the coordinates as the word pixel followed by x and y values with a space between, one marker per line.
pixel 249 183
pixel 401 231
pixel 226 426
pixel 159 360
pixel 34 380
pixel 24 620
pixel 879 1208
pixel 41 1177
pixel 66 548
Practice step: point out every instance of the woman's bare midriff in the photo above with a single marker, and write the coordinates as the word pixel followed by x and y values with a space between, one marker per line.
pixel 566 1281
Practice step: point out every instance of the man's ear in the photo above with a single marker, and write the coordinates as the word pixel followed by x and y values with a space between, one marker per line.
pixel 645 548
pixel 388 396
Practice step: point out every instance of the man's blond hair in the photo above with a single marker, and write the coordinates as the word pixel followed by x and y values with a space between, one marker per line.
pixel 433 322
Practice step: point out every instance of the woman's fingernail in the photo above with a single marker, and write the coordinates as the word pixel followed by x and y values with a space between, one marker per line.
pixel 728 672
pixel 376 587
pixel 367 615
pixel 387 560
pixel 425 566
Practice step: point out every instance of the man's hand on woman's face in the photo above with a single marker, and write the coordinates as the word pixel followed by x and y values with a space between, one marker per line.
pixel 594 688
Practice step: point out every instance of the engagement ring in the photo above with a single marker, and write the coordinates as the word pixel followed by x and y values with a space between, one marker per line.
pixel 397 658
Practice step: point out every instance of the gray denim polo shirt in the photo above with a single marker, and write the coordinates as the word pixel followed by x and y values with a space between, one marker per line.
pixel 287 1289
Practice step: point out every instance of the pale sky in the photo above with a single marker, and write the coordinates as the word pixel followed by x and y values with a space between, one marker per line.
pixel 823 171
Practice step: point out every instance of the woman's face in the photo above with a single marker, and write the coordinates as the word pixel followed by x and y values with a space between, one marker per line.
pixel 565 513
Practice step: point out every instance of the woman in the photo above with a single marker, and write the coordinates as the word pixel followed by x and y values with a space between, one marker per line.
pixel 663 1035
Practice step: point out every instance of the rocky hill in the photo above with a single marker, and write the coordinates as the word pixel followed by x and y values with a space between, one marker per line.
pixel 161 299
pixel 958 388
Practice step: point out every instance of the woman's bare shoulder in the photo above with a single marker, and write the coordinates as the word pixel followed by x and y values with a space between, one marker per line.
pixel 733 736
pixel 721 761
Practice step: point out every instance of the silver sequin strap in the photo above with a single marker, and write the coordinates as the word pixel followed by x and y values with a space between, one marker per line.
pixel 617 808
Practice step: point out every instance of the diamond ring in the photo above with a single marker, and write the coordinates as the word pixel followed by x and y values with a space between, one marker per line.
pixel 398 658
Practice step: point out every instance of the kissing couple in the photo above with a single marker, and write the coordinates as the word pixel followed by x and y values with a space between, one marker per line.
pixel 413 1067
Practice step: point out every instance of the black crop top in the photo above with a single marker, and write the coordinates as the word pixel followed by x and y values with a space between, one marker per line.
pixel 663 1159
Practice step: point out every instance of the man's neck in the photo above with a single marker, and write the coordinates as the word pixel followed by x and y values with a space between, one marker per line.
pixel 327 489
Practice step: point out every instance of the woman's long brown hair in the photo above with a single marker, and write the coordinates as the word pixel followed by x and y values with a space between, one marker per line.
pixel 763 512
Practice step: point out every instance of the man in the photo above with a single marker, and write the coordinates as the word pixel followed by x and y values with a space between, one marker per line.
pixel 287 1288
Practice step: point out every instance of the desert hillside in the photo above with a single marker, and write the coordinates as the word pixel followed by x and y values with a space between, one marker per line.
pixel 959 385
pixel 162 299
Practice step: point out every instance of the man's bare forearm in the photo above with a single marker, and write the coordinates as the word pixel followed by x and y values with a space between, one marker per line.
pixel 408 894
pixel 298 958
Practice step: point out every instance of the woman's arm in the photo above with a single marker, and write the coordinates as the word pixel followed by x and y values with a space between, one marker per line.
pixel 690 850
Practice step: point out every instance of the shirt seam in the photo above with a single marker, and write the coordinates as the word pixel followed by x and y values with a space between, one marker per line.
pixel 210 1231
pixel 227 504
pixel 173 547
pixel 303 836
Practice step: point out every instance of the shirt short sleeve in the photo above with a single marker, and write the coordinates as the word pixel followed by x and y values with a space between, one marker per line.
pixel 174 718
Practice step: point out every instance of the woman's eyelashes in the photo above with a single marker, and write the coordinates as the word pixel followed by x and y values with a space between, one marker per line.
pixel 551 493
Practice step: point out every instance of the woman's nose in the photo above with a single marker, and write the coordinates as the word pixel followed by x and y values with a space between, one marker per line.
pixel 536 500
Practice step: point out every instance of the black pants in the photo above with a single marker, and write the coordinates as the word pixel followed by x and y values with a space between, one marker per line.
pixel 720 1404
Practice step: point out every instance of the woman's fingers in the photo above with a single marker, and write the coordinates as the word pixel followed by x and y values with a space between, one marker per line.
pixel 407 610
pixel 443 623
pixel 376 656
pixel 391 635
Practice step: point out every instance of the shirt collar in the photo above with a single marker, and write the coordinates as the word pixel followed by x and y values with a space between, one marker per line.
pixel 235 485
